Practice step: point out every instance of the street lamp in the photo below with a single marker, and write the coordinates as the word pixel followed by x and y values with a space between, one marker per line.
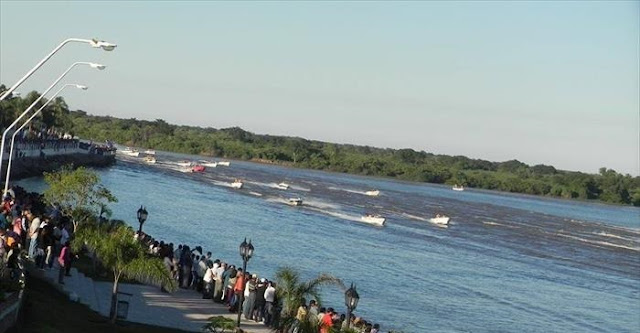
pixel 4 134
pixel 93 42
pixel 13 137
pixel 142 216
pixel 246 251
pixel 351 299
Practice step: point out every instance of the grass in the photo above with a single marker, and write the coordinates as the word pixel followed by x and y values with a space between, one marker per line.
pixel 46 310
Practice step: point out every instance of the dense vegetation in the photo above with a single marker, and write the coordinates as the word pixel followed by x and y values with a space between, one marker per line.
pixel 406 164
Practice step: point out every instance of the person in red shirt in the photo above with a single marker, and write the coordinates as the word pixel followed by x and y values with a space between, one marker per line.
pixel 327 322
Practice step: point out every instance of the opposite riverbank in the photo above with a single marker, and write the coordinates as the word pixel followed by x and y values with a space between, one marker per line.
pixel 403 164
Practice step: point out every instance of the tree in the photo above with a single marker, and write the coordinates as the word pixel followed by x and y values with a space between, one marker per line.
pixel 120 252
pixel 78 193
pixel 291 290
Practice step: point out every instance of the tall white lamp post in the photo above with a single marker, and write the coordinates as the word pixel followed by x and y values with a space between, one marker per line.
pixel 13 137
pixel 4 134
pixel 93 42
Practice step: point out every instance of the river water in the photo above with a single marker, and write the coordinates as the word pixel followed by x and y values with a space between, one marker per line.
pixel 506 263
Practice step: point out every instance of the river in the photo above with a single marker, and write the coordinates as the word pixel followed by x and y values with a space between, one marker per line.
pixel 505 263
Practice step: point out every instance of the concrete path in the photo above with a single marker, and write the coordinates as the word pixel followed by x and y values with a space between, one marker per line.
pixel 183 309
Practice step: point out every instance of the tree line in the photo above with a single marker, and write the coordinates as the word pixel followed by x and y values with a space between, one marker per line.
pixel 405 164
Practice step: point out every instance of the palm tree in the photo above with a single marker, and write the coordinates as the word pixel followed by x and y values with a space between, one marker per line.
pixel 120 252
pixel 291 290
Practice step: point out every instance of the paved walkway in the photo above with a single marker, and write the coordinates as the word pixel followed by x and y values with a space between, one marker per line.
pixel 183 309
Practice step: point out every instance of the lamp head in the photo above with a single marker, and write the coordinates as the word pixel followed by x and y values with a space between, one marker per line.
pixel 103 45
pixel 79 86
pixel 97 66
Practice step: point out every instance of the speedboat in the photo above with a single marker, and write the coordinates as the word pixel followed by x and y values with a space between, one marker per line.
pixel 440 219
pixel 237 184
pixel 198 168
pixel 131 152
pixel 224 163
pixel 295 201
pixel 372 193
pixel 373 219
pixel 209 164
pixel 458 188
pixel 283 186
pixel 150 160
pixel 184 163
pixel 150 152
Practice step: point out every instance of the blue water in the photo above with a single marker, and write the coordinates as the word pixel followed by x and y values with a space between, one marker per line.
pixel 506 263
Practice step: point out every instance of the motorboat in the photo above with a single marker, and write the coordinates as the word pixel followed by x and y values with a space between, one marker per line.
pixel 150 152
pixel 198 168
pixel 237 184
pixel 295 201
pixel 283 186
pixel 209 164
pixel 150 160
pixel 131 152
pixel 458 187
pixel 373 219
pixel 440 219
pixel 372 193
pixel 224 163
pixel 184 163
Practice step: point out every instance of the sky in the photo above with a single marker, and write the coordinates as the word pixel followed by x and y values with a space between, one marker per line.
pixel 542 82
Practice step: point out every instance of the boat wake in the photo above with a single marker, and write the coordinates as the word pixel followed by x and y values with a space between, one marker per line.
pixel 321 204
pixel 414 217
pixel 601 243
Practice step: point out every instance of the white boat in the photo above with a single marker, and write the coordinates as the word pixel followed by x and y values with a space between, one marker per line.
pixel 237 184
pixel 131 152
pixel 150 152
pixel 458 188
pixel 224 163
pixel 440 219
pixel 150 160
pixel 184 163
pixel 373 193
pixel 209 164
pixel 373 219
pixel 295 201
pixel 283 186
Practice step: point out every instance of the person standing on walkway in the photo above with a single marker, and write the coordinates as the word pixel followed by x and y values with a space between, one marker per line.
pixel 34 230
pixel 64 260
pixel 249 297
pixel 269 307
pixel 258 308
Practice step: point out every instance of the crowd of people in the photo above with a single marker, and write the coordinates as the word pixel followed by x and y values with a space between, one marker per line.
pixel 41 233
pixel 224 283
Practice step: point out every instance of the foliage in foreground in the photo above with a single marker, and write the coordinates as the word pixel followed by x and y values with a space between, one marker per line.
pixel 291 289
pixel 219 324
pixel 119 251
pixel 78 193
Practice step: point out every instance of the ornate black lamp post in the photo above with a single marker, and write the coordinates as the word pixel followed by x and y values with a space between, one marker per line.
pixel 246 251
pixel 351 299
pixel 142 216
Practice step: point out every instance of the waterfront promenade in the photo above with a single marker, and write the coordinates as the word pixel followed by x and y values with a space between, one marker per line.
pixel 183 309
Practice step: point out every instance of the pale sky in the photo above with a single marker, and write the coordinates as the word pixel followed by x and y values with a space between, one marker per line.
pixel 539 81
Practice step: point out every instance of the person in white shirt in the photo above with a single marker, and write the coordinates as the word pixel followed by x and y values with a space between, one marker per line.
pixel 34 228
pixel 208 281
pixel 217 291
pixel 269 298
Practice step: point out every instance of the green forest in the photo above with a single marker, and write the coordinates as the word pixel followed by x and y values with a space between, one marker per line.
pixel 405 164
